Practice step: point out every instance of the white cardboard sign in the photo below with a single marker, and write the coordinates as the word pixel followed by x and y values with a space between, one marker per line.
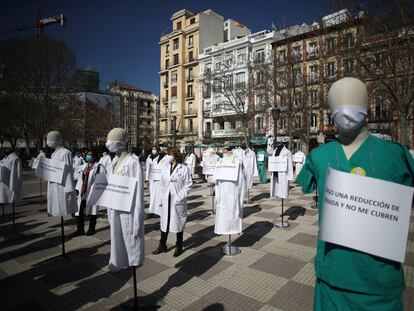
pixel 260 157
pixel 366 214
pixel 4 175
pixel 113 191
pixel 209 167
pixel 297 158
pixel 51 170
pixel 226 171
pixel 277 164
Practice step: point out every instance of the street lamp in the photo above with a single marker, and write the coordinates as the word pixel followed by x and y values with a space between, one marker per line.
pixel 275 117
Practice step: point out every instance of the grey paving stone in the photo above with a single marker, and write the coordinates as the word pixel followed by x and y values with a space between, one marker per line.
pixel 281 266
pixel 304 239
pixel 294 297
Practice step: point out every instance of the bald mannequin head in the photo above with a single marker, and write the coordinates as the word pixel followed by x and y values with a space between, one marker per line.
pixel 348 92
pixel 54 139
pixel 116 140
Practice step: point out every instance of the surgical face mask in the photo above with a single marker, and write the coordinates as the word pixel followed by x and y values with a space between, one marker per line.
pixel 52 144
pixel 154 151
pixel 114 145
pixel 88 158
pixel 349 119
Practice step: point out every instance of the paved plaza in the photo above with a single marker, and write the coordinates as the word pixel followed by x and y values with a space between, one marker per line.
pixel 274 270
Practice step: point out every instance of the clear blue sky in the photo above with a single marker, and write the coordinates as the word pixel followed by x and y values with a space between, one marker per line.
pixel 120 38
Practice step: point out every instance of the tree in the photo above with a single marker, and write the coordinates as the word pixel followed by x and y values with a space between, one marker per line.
pixel 236 85
pixel 385 52
pixel 36 80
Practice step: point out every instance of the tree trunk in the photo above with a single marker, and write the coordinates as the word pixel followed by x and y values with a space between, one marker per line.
pixel 404 131
pixel 27 141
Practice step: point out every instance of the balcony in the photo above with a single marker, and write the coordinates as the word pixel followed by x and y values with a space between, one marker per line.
pixel 207 134
pixel 227 133
pixel 206 113
pixel 165 84
pixel 206 94
pixel 165 99
pixel 190 79
pixel 165 133
pixel 313 55
pixel 190 61
pixel 189 95
pixel 192 131
pixel 190 113
pixel 164 115
pixel 313 78
pixel 260 131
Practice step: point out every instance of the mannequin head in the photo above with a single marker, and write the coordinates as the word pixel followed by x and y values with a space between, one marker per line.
pixel 116 140
pixel 227 151
pixel 348 101
pixel 54 139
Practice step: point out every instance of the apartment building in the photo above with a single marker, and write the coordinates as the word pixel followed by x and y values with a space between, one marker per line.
pixel 137 114
pixel 236 58
pixel 179 75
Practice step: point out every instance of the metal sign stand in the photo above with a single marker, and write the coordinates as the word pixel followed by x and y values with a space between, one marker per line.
pixel 14 219
pixel 282 224
pixel 230 250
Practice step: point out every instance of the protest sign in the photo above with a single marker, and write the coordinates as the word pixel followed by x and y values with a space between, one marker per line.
pixel 51 170
pixel 226 171
pixel 366 214
pixel 277 164
pixel 113 191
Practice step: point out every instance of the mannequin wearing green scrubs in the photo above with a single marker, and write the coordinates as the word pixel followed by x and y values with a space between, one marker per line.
pixel 348 279
pixel 261 165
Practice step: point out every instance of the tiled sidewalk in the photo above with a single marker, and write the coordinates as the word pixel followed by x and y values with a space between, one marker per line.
pixel 274 271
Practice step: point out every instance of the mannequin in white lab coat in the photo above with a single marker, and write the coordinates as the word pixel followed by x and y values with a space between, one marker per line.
pixel 156 161
pixel 299 159
pixel 176 183
pixel 106 162
pixel 229 199
pixel 127 228
pixel 279 186
pixel 250 167
pixel 61 198
pixel 11 179
pixel 190 161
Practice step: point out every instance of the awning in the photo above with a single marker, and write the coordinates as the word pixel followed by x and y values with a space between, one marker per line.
pixel 259 141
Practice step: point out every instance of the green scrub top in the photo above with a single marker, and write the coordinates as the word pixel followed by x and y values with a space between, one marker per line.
pixel 340 266
pixel 261 167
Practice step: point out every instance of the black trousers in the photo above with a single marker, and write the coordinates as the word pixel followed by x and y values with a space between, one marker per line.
pixel 164 235
pixel 81 217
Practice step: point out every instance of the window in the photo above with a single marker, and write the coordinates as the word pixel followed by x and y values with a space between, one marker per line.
pixel 229 59
pixel 349 40
pixel 297 122
pixel 314 120
pixel 178 25
pixel 282 56
pixel 313 98
pixel 189 91
pixel 167 63
pixel 190 57
pixel 190 74
pixel 175 59
pixel 297 98
pixel 379 108
pixel 174 92
pixel 379 60
pixel 329 45
pixel 297 76
pixel 331 70
pixel 313 49
pixel 328 120
pixel 259 102
pixel 167 49
pixel 259 123
pixel 190 107
pixel 260 56
pixel 190 41
pixel 259 77
pixel 221 125
pixel 282 101
pixel 241 55
pixel 190 126
pixel 283 123
pixel 228 82
pixel 174 77
pixel 240 79
pixel 207 91
pixel 313 73
pixel 208 127
pixel 192 21
pixel 176 44
pixel 348 67
pixel 296 52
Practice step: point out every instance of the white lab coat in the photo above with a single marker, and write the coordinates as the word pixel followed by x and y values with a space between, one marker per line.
pixel 127 229
pixel 77 161
pixel 155 183
pixel 11 179
pixel 250 167
pixel 106 162
pixel 239 154
pixel 229 201
pixel 210 158
pixel 96 169
pixel 35 163
pixel 279 186
pixel 190 161
pixel 177 185
pixel 61 198
pixel 300 159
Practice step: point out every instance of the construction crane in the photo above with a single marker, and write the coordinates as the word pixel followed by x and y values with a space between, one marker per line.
pixel 39 24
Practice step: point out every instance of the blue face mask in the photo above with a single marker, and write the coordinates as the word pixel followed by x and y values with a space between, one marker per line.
pixel 88 158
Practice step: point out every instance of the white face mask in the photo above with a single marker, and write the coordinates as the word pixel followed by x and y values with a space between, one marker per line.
pixel 349 119
pixel 52 144
pixel 114 145
pixel 154 151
